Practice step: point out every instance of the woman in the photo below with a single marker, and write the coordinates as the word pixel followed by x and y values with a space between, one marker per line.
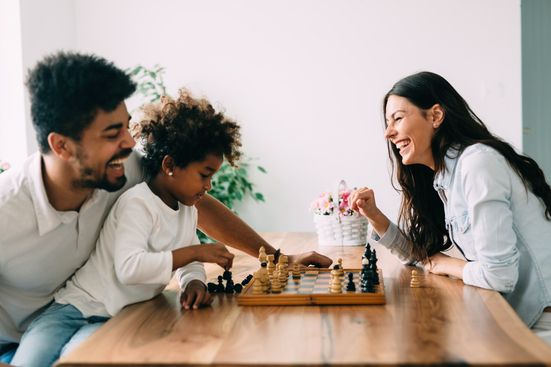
pixel 461 185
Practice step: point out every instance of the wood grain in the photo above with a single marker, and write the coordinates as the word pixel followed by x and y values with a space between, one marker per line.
pixel 442 322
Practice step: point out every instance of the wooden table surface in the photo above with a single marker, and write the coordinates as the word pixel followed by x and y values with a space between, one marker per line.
pixel 444 322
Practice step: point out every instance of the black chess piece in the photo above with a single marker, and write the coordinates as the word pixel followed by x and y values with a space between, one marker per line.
pixel 211 287
pixel 220 286
pixel 373 257
pixel 373 268
pixel 367 252
pixel 367 284
pixel 350 286
pixel 229 286
pixel 238 288
pixel 227 275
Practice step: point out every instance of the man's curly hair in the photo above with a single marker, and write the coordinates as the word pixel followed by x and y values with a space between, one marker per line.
pixel 187 129
pixel 68 89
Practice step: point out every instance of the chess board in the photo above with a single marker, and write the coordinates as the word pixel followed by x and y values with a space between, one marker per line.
pixel 313 289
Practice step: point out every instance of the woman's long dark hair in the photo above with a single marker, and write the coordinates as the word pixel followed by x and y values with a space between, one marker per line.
pixel 422 212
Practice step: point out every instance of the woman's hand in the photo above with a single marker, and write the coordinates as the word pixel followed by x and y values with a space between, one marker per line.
pixel 363 202
pixel 195 295
pixel 441 264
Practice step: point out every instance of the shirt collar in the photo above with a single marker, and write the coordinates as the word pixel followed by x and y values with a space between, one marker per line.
pixel 443 178
pixel 47 217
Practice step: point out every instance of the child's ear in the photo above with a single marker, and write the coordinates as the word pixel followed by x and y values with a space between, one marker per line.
pixel 167 166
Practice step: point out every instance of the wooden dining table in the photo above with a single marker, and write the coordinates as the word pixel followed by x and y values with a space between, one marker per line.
pixel 442 322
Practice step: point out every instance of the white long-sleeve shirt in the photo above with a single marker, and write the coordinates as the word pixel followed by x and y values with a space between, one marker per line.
pixel 132 261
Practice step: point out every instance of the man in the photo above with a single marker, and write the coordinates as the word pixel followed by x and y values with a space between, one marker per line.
pixel 52 209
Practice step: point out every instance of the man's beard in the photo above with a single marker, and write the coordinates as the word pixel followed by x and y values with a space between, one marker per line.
pixel 88 181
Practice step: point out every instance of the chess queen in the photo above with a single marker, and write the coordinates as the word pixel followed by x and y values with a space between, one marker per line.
pixel 464 186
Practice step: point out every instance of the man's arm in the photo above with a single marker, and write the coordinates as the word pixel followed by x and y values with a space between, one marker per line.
pixel 220 223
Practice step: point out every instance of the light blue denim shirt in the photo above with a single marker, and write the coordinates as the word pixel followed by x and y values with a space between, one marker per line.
pixel 498 225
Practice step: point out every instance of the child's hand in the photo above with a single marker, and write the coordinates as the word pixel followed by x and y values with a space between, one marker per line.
pixel 215 253
pixel 195 295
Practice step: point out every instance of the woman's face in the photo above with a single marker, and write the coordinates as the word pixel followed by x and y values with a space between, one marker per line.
pixel 411 130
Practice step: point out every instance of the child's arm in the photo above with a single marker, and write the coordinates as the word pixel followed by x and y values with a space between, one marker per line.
pixel 208 253
pixel 133 260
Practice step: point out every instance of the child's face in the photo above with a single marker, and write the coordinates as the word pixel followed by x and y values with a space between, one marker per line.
pixel 193 181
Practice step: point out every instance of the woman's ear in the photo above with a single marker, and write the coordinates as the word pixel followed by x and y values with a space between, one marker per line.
pixel 437 116
pixel 61 146
pixel 167 165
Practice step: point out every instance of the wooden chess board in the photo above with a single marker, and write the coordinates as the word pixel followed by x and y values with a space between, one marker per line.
pixel 313 289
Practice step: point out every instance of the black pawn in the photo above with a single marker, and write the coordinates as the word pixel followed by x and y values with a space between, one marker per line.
pixel 220 286
pixel 367 285
pixel 229 286
pixel 211 287
pixel 350 286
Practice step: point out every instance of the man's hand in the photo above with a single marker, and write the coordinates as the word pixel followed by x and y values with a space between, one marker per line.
pixel 195 295
pixel 310 258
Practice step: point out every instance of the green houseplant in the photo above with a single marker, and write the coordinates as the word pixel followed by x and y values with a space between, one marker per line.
pixel 229 184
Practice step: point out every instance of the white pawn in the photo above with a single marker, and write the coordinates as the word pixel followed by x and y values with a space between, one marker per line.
pixel 276 284
pixel 336 285
pixel 257 284
pixel 283 274
pixel 296 271
pixel 415 281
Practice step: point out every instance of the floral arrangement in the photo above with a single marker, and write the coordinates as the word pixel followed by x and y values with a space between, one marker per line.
pixel 325 204
pixel 4 166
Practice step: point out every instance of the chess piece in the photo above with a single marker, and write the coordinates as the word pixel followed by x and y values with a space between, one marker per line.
pixel 211 287
pixel 229 286
pixel 367 252
pixel 415 281
pixel 276 284
pixel 258 287
pixel 296 271
pixel 283 274
pixel 220 286
pixel 263 275
pixel 271 265
pixel 227 275
pixel 373 267
pixel 351 286
pixel 335 285
pixel 341 269
pixel 238 288
pixel 367 282
pixel 262 254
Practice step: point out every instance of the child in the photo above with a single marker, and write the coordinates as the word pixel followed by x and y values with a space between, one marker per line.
pixel 150 231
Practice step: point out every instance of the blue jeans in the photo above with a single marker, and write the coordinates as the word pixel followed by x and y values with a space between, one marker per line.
pixel 58 330
pixel 7 351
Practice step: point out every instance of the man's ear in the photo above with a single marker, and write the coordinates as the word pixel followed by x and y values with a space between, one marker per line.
pixel 167 166
pixel 61 146
pixel 437 115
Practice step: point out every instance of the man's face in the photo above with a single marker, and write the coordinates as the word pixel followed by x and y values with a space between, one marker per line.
pixel 103 149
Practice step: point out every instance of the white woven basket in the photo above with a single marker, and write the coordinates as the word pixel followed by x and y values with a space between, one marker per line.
pixel 338 230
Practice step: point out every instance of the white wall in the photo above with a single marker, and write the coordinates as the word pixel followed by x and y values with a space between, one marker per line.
pixel 305 78
pixel 13 135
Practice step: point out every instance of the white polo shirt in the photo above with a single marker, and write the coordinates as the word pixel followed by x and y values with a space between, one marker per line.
pixel 40 247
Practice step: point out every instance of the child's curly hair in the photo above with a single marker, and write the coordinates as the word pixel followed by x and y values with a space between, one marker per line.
pixel 187 129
